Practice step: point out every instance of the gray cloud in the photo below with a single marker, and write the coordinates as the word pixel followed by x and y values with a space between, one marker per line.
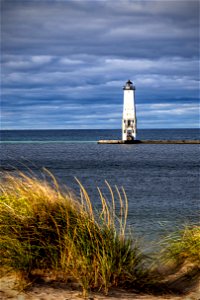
pixel 65 58
pixel 127 28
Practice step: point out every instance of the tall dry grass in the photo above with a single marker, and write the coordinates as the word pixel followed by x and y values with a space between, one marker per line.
pixel 182 247
pixel 46 230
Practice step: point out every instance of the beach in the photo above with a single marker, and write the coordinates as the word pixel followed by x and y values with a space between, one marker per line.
pixel 58 291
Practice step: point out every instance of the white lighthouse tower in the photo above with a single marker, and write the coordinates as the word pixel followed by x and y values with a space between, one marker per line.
pixel 129 122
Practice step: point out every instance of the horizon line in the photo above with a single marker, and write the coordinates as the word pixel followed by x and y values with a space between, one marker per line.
pixel 161 128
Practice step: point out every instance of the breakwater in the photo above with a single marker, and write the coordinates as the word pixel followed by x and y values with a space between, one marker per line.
pixel 149 142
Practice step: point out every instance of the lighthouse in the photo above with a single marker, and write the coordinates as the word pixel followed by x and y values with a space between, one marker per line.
pixel 129 124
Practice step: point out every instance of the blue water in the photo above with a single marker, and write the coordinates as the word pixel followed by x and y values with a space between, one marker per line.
pixel 161 181
pixel 44 136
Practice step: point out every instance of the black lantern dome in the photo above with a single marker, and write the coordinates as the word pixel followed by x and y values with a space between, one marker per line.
pixel 129 85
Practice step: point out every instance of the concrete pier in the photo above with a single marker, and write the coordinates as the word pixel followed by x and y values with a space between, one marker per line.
pixel 149 142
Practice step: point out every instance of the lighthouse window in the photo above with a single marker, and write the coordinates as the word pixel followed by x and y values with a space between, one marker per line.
pixel 129 122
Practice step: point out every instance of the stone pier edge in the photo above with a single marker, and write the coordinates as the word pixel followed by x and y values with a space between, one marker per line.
pixel 149 142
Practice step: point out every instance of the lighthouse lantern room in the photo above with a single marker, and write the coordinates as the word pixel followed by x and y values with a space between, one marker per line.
pixel 129 125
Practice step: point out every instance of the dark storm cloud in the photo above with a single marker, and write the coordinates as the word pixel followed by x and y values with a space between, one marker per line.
pixel 128 28
pixel 69 59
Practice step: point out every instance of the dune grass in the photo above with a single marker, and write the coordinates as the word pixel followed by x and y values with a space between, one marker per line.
pixel 44 230
pixel 182 247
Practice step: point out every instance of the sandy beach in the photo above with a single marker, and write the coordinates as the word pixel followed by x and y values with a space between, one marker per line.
pixel 61 291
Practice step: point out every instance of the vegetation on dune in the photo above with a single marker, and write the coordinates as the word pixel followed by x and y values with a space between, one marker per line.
pixel 44 230
pixel 182 247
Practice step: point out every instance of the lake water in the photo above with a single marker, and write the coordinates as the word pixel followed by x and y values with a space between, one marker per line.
pixel 161 181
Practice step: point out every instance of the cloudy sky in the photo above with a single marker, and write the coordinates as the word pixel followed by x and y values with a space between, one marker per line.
pixel 64 62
